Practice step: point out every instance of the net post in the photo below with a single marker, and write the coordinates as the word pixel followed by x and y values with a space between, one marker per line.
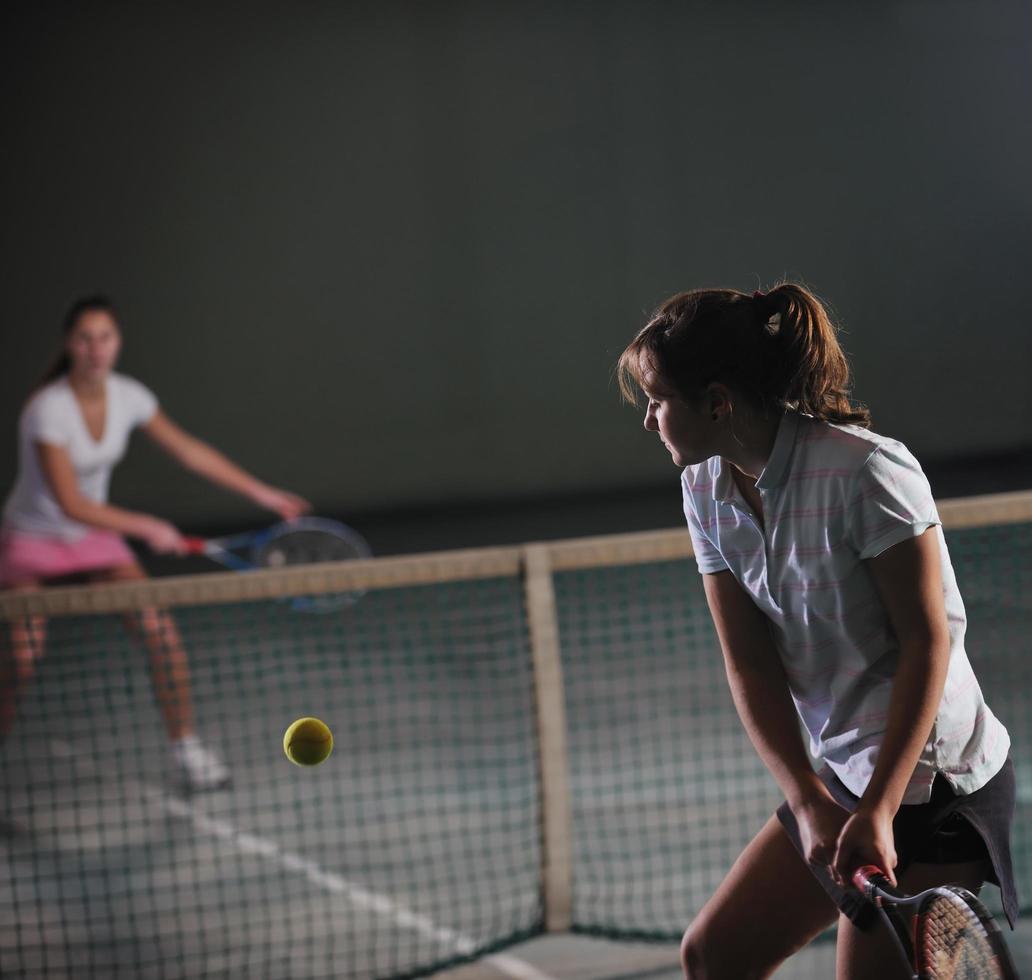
pixel 543 626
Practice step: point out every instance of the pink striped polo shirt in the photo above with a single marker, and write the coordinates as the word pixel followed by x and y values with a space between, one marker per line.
pixel 833 496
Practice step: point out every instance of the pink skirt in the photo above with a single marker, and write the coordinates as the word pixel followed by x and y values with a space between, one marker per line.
pixel 28 557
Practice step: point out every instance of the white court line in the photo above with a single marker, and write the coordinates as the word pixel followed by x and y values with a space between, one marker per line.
pixel 330 881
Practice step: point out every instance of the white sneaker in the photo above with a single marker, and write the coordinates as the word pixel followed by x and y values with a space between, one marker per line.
pixel 199 767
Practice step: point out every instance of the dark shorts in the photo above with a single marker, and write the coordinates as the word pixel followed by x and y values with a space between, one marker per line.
pixel 948 829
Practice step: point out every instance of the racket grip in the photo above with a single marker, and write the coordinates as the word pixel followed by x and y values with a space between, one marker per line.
pixel 869 876
pixel 195 546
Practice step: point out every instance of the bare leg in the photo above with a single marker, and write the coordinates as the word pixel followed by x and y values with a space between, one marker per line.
pixel 768 907
pixel 200 768
pixel 867 954
pixel 18 662
pixel 170 669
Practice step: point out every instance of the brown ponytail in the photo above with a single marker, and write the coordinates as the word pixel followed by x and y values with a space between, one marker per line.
pixel 59 366
pixel 777 349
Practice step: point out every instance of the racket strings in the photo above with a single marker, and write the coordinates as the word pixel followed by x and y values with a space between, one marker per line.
pixel 311 541
pixel 953 943
pixel 306 547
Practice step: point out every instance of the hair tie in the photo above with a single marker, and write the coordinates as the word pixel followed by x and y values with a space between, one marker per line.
pixel 772 323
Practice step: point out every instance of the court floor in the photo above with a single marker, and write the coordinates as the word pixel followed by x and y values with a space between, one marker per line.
pixel 587 958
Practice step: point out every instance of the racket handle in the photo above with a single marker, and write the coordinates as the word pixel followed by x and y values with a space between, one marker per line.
pixel 869 877
pixel 195 546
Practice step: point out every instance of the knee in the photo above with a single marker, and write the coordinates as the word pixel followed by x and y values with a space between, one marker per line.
pixel 705 956
pixel 156 626
pixel 151 623
pixel 696 963
pixel 24 648
pixel 690 955
pixel 25 666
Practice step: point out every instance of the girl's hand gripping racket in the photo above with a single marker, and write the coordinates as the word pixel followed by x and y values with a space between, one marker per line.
pixel 951 934
pixel 304 541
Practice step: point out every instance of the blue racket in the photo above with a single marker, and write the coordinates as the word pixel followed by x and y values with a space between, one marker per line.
pixel 304 541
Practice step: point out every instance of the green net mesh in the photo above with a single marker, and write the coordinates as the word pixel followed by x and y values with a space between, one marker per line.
pixel 419 842
pixel 665 787
pixel 415 844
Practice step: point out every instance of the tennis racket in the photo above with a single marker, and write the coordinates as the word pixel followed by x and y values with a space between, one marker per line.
pixel 949 934
pixel 303 541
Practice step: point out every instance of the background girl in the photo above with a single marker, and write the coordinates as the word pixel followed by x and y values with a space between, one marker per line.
pixel 57 521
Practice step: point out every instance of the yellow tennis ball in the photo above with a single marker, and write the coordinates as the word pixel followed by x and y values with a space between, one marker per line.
pixel 308 741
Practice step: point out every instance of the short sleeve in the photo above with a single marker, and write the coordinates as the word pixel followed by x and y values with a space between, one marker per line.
pixel 707 557
pixel 45 420
pixel 141 403
pixel 891 501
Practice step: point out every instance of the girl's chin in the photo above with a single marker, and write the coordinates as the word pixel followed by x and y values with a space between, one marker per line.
pixel 681 459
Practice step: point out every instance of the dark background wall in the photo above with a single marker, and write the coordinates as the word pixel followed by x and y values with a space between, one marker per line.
pixel 386 253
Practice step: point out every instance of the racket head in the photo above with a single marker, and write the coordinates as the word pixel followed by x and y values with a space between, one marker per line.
pixel 957 938
pixel 307 541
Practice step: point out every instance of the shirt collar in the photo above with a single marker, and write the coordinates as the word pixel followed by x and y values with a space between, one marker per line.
pixel 776 470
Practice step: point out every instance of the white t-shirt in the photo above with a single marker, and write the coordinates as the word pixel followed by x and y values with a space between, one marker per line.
pixel 52 415
pixel 833 496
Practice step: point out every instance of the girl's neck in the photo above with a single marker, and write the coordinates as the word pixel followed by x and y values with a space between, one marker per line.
pixel 751 444
pixel 88 386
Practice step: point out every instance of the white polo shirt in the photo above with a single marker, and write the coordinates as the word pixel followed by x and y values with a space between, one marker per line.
pixel 833 496
pixel 52 415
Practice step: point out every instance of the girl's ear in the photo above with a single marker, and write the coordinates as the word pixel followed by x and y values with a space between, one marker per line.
pixel 718 399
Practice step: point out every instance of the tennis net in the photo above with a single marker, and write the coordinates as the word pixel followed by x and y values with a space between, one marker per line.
pixel 528 739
